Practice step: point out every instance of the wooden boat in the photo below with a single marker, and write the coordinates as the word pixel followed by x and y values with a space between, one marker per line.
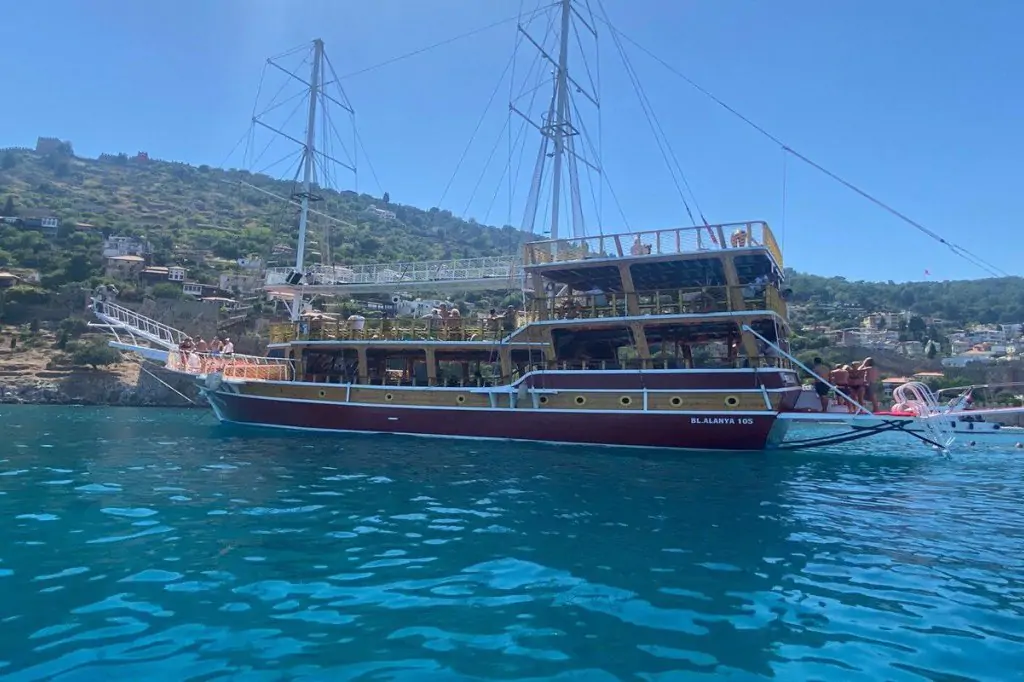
pixel 618 346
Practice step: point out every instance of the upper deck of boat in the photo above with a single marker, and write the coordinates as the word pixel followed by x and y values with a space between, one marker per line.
pixel 658 259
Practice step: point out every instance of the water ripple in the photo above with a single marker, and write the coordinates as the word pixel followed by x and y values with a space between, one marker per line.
pixel 173 550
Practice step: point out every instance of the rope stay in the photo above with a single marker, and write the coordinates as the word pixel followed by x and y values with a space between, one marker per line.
pixel 958 250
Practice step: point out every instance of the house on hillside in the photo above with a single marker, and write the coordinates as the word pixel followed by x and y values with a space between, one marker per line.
pixel 200 290
pixel 245 282
pixel 40 219
pixel 120 245
pixel 380 212
pixel 126 268
pixel 981 357
pixel 8 279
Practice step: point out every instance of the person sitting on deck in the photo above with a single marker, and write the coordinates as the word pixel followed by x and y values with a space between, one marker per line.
pixel 356 323
pixel 821 386
pixel 509 320
pixel 455 324
pixel 638 247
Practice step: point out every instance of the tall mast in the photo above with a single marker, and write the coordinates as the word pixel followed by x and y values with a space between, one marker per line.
pixel 307 169
pixel 560 124
pixel 557 126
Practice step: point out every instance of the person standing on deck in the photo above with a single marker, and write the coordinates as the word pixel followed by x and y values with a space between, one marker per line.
pixel 870 382
pixel 821 386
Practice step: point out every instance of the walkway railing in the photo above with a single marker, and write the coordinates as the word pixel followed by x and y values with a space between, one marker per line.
pixel 657 243
pixel 399 329
pixel 138 325
pixel 233 366
pixel 503 270
pixel 685 301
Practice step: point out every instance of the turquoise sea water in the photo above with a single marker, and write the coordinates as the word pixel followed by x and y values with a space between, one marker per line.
pixel 154 545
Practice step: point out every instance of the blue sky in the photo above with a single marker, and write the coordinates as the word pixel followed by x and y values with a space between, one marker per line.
pixel 913 100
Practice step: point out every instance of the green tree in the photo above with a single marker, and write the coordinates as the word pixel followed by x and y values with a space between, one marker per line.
pixel 95 353
pixel 9 161
pixel 166 290
pixel 9 209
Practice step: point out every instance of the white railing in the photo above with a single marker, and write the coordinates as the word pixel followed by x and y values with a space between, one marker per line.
pixel 138 325
pixel 670 241
pixel 502 269
pixel 234 366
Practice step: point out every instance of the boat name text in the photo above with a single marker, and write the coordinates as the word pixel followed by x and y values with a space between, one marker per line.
pixel 746 421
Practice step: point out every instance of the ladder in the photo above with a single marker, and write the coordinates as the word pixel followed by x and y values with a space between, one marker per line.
pixel 119 318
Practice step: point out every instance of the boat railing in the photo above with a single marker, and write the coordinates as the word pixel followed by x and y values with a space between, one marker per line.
pixel 149 329
pixel 672 241
pixel 411 272
pixel 400 329
pixel 682 301
pixel 234 366
pixel 396 378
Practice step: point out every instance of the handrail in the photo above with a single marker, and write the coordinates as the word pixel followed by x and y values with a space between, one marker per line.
pixel 410 272
pixel 399 329
pixel 235 366
pixel 671 241
pixel 149 329
pixel 681 301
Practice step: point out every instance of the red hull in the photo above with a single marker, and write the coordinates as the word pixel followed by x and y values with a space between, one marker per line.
pixel 709 431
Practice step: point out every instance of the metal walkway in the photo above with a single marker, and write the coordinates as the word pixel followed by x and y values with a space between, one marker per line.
pixel 496 273
pixel 465 274
pixel 120 319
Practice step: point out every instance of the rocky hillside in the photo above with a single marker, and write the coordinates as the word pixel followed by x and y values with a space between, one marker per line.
pixel 193 213
pixel 35 372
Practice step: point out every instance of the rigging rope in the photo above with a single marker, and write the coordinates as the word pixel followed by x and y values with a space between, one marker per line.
pixel 955 248
pixel 448 41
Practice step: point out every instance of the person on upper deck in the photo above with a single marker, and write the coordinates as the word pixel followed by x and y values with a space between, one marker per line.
pixel 638 247
pixel 229 348
pixel 201 346
pixel 509 319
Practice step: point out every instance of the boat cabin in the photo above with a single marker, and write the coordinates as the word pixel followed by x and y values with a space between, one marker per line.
pixel 682 298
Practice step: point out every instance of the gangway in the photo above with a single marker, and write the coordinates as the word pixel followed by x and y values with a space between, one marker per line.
pixel 116 318
pixel 462 274
pixel 495 273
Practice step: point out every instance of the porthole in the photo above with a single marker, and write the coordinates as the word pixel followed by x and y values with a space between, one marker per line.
pixel 581 400
pixel 543 400
pixel 625 401
pixel 389 397
pixel 731 401
pixel 675 401
pixel 460 399
pixel 323 393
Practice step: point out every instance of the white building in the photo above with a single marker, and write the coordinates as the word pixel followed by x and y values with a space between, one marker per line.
pixel 125 246
pixel 970 357
pixel 176 273
pixel 381 213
